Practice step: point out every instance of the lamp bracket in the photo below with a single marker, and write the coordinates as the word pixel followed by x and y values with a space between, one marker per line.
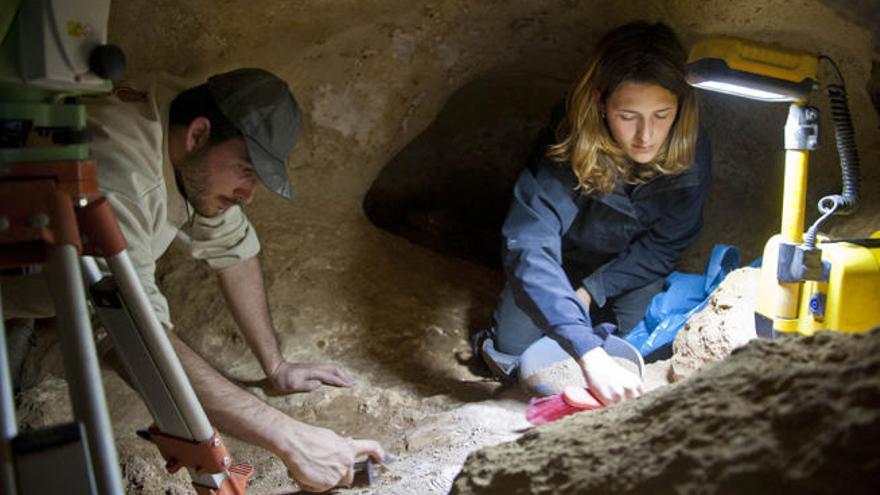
pixel 802 128
pixel 798 263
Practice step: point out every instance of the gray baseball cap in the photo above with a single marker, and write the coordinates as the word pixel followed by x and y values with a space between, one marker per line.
pixel 261 106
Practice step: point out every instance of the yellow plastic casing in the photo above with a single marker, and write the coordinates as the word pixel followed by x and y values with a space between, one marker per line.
pixel 778 302
pixel 851 294
pixel 757 58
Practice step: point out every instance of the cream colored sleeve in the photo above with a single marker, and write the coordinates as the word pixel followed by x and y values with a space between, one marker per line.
pixel 224 240
pixel 136 228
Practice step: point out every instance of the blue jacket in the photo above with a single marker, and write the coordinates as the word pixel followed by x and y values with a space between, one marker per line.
pixel 557 239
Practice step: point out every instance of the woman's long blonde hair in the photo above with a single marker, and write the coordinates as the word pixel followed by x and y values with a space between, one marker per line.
pixel 638 52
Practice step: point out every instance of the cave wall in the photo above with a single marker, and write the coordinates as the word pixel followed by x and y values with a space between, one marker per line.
pixel 373 75
pixel 449 188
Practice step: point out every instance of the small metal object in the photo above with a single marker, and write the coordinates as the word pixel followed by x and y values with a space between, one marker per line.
pixel 4 224
pixel 802 128
pixel 364 473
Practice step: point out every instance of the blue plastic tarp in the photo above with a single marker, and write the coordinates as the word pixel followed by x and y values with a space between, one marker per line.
pixel 684 294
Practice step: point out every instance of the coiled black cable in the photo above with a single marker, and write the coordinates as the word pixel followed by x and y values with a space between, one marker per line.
pixel 844 136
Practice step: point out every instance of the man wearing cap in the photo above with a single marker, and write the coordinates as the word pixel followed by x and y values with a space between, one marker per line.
pixel 178 164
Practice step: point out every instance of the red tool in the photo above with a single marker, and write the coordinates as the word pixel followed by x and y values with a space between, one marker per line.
pixel 573 399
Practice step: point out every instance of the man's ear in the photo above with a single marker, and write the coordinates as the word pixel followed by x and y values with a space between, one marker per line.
pixel 198 134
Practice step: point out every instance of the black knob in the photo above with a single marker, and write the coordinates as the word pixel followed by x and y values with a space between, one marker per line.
pixel 107 61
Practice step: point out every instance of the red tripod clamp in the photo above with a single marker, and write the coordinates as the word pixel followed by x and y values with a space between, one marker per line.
pixel 206 457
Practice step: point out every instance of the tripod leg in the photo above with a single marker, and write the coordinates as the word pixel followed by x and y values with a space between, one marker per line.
pixel 8 427
pixel 147 354
pixel 81 365
pixel 162 353
pixel 184 435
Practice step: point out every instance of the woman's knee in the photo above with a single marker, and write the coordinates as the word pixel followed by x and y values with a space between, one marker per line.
pixel 514 329
pixel 630 308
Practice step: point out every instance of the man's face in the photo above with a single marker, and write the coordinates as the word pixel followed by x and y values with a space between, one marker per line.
pixel 216 177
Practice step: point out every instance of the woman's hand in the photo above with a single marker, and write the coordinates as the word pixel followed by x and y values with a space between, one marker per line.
pixel 584 296
pixel 607 380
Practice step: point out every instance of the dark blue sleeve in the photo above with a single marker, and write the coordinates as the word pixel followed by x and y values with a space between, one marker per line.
pixel 542 210
pixel 655 253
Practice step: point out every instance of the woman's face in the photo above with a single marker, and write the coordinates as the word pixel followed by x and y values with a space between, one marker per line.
pixel 640 116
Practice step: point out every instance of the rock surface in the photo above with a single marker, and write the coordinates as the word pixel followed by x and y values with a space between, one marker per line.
pixel 727 322
pixel 799 415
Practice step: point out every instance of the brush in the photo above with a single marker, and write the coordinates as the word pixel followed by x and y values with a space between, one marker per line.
pixel 572 399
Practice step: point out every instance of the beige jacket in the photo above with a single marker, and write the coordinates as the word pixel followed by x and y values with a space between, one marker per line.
pixel 129 131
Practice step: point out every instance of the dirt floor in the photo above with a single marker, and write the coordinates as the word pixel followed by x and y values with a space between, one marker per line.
pixel 430 417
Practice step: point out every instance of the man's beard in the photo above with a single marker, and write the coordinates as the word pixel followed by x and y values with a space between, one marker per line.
pixel 195 177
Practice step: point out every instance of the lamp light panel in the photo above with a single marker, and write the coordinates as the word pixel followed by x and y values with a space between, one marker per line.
pixel 744 91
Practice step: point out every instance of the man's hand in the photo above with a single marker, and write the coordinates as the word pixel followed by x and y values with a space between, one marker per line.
pixel 319 459
pixel 296 377
pixel 607 380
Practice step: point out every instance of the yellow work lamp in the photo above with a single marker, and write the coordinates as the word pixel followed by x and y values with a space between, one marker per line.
pixel 807 283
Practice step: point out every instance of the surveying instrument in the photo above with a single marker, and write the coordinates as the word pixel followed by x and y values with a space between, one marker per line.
pixel 53 217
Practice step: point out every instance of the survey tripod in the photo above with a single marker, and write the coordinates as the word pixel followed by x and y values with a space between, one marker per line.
pixel 52 216
pixel 46 209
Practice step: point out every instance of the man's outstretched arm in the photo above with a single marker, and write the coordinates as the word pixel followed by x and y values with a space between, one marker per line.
pixel 245 295
pixel 316 458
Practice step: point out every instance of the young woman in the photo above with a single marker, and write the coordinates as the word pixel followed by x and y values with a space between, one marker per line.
pixel 604 209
